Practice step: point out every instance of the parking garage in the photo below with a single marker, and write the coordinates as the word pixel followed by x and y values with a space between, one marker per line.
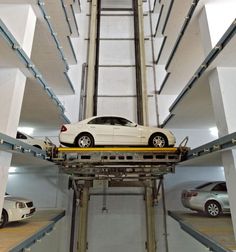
pixel 167 64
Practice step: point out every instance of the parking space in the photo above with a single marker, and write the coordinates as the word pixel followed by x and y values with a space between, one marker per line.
pixel 19 235
pixel 215 233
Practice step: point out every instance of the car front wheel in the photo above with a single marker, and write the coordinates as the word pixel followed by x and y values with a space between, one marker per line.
pixel 84 140
pixel 213 208
pixel 158 140
pixel 4 219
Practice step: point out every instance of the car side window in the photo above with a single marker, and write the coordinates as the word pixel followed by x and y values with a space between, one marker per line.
pixel 101 121
pixel 121 121
pixel 20 136
pixel 220 187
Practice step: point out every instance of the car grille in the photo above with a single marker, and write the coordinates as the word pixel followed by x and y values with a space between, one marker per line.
pixel 29 204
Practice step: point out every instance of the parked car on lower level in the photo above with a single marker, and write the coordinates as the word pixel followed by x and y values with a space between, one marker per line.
pixel 16 209
pixel 113 130
pixel 210 198
pixel 39 143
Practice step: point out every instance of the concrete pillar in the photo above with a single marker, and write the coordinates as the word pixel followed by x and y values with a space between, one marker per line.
pixel 214 20
pixel 21 25
pixel 20 21
pixel 12 84
pixel 223 90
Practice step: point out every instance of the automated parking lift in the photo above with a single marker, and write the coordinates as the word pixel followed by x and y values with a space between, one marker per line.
pixel 137 167
pixel 130 167
pixel 119 166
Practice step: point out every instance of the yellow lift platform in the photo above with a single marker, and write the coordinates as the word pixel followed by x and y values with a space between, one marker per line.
pixel 118 162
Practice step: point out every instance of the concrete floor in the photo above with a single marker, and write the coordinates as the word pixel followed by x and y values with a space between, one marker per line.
pixel 215 233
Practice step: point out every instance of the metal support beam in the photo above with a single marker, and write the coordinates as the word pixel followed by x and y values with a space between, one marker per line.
pixel 91 60
pixel 150 220
pixel 141 85
pixel 83 217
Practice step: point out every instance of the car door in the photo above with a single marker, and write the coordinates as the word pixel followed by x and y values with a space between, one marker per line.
pixel 126 132
pixel 102 130
pixel 221 194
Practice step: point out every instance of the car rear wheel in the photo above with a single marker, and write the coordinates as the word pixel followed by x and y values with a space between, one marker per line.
pixel 4 219
pixel 84 140
pixel 213 208
pixel 158 140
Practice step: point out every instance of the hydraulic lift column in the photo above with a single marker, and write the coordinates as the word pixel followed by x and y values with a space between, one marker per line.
pixel 150 220
pixel 83 218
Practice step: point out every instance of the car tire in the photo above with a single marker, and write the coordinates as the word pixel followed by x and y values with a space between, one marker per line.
pixel 4 219
pixel 213 208
pixel 84 140
pixel 158 140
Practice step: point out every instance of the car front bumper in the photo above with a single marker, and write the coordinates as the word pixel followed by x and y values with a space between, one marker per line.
pixel 18 214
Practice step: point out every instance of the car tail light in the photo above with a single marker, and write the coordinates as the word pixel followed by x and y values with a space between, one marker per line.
pixel 63 128
pixel 188 194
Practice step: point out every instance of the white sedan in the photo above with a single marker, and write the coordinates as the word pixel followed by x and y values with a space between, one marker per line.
pixel 38 143
pixel 16 209
pixel 112 130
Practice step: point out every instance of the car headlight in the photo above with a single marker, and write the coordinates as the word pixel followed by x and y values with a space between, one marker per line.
pixel 20 204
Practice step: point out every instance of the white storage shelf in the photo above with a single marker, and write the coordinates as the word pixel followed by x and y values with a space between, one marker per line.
pixel 193 106
pixel 52 50
pixel 175 22
pixel 48 111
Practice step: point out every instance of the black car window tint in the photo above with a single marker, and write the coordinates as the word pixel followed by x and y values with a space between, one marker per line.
pixel 220 187
pixel 107 121
pixel 98 120
pixel 116 121
pixel 203 185
pixel 20 136
pixel 122 121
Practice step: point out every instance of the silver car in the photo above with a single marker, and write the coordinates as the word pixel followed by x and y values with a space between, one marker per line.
pixel 210 198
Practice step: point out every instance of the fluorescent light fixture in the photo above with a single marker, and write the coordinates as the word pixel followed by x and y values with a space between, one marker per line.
pixel 214 131
pixel 12 169
pixel 26 130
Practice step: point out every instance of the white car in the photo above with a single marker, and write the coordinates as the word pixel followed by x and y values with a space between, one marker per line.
pixel 39 143
pixel 210 198
pixel 16 209
pixel 112 130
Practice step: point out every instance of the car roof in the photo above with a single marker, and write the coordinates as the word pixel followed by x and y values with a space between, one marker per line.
pixel 209 184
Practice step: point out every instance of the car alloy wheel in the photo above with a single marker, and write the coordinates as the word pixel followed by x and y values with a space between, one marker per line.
pixel 85 141
pixel 213 208
pixel 158 141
